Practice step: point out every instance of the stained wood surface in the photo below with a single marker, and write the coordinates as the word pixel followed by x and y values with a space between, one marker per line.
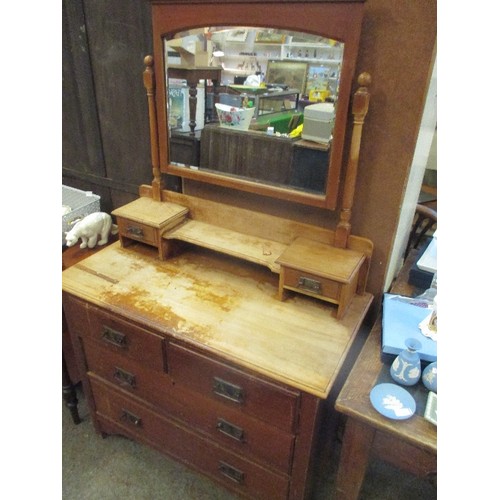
pixel 225 305
pixel 251 248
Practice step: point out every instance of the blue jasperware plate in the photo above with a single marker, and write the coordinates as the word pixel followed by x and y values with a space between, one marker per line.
pixel 393 401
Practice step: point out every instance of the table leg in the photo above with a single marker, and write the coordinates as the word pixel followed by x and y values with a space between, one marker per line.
pixel 354 456
pixel 69 393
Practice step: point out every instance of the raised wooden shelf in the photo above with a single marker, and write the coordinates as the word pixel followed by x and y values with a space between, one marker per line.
pixel 251 248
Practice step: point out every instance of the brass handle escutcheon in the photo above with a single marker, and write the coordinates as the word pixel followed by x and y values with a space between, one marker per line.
pixel 227 390
pixel 309 284
pixel 135 231
pixel 230 430
pixel 123 377
pixel 231 472
pixel 129 417
pixel 113 337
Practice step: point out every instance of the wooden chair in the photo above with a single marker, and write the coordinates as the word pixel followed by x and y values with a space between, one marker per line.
pixel 424 225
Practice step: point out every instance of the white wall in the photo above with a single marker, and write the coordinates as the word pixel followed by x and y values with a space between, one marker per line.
pixel 423 150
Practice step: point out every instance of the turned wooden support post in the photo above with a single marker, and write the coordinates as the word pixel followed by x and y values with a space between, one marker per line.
pixel 149 83
pixel 359 109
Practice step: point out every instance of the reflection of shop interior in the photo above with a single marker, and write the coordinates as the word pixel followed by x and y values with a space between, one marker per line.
pixel 277 74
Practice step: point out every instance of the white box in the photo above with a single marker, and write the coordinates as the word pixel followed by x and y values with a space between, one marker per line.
pixel 318 122
pixel 81 203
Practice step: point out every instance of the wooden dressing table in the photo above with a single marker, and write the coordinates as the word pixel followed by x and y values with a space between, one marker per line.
pixel 182 331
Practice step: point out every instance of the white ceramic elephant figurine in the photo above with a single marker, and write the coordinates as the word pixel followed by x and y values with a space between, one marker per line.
pixel 92 229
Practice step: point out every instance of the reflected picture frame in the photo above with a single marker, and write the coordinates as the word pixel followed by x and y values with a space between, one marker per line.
pixel 237 36
pixel 290 73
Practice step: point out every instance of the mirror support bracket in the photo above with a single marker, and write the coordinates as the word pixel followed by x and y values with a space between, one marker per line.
pixel 360 105
pixel 149 83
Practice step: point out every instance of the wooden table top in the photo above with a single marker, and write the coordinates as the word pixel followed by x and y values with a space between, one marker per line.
pixel 354 398
pixel 226 305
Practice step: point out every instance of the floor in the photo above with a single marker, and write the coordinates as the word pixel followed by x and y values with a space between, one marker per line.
pixel 96 468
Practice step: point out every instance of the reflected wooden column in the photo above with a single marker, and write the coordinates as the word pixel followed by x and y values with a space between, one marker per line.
pixel 360 104
pixel 149 83
pixel 193 74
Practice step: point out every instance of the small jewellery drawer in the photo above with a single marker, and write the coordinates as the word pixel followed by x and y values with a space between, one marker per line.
pixel 217 380
pixel 126 338
pixel 137 231
pixel 130 375
pixel 119 413
pixel 311 284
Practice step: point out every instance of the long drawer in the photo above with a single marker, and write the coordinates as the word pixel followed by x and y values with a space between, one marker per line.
pixel 226 426
pixel 218 381
pixel 123 337
pixel 118 411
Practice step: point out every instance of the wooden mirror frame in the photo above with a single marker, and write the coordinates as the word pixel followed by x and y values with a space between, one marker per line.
pixel 337 19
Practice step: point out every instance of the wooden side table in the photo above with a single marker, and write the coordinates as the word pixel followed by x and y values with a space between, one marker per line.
pixel 410 444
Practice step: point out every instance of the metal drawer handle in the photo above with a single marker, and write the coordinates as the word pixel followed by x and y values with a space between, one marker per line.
pixel 113 337
pixel 309 284
pixel 231 472
pixel 130 418
pixel 230 430
pixel 123 377
pixel 227 390
pixel 135 231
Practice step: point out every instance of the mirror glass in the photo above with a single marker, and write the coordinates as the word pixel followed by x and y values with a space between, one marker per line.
pixel 239 105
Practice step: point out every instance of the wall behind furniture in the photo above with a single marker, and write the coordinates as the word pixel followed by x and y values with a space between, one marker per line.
pixel 105 146
pixel 106 134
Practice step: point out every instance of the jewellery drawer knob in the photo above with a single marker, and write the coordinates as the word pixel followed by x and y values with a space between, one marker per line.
pixel 135 231
pixel 309 284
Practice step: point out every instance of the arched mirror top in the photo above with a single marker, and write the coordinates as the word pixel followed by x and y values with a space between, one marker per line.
pixel 234 81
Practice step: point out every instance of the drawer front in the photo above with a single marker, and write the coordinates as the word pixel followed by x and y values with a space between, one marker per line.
pixel 232 429
pixel 311 284
pixel 137 231
pixel 125 373
pixel 123 337
pixel 216 380
pixel 226 426
pixel 127 415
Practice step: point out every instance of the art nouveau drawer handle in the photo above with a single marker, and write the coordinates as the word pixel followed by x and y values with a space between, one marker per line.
pixel 309 284
pixel 113 337
pixel 227 390
pixel 230 430
pixel 123 377
pixel 135 231
pixel 231 472
pixel 130 418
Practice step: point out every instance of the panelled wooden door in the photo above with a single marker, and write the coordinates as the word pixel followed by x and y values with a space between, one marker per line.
pixel 105 127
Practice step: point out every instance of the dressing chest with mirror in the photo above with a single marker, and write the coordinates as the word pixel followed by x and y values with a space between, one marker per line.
pixel 216 332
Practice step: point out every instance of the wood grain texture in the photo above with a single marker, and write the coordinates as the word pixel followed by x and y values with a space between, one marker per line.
pixel 227 306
